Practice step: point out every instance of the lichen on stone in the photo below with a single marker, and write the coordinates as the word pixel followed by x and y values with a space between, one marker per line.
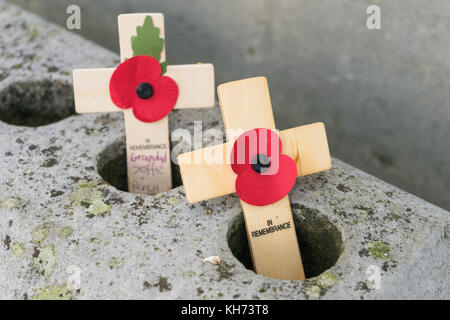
pixel 88 195
pixel 158 196
pixel 95 240
pixel 224 270
pixel 370 213
pixel 92 132
pixel 85 194
pixel 56 292
pixel 343 188
pixel 45 261
pixel 173 201
pixel 10 203
pixel 188 274
pixel 378 249
pixel 39 234
pixel 313 292
pixel 326 280
pixel 33 33
pixel 115 263
pixel 65 232
pixel 18 249
pixel 98 207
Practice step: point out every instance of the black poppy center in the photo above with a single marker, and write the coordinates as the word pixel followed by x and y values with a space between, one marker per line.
pixel 260 163
pixel 144 90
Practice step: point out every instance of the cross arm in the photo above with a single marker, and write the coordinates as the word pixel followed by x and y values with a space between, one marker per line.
pixel 203 180
pixel 308 146
pixel 91 90
pixel 195 83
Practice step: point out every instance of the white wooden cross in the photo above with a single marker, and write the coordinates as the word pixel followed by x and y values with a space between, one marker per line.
pixel 145 140
pixel 246 105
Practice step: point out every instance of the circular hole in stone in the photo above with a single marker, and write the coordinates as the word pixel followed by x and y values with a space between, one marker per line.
pixel 36 103
pixel 112 166
pixel 320 241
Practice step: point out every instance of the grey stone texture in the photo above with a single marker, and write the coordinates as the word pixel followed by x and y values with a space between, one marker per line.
pixel 64 211
pixel 383 94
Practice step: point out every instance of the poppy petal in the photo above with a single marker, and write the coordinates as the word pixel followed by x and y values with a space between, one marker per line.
pixel 128 75
pixel 122 85
pixel 262 190
pixel 253 142
pixel 157 107
pixel 148 69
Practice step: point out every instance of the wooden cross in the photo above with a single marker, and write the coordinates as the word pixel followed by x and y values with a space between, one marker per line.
pixel 246 105
pixel 148 148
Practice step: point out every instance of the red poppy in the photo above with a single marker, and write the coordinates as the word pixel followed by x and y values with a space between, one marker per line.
pixel 265 176
pixel 137 83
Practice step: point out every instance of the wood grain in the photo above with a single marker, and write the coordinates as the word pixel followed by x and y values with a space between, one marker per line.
pixel 91 90
pixel 246 105
pixel 149 170
pixel 200 179
pixel 274 254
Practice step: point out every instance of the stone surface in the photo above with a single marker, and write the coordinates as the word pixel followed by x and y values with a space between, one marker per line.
pixel 61 222
pixel 383 94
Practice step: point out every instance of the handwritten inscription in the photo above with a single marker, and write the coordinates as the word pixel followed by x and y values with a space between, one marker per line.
pixel 147 164
pixel 144 188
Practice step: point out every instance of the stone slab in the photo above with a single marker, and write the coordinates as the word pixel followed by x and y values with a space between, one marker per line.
pixel 59 218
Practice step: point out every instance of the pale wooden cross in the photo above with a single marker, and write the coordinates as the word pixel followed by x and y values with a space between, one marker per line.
pixel 246 105
pixel 196 90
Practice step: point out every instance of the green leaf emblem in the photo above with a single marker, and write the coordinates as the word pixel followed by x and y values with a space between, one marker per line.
pixel 147 42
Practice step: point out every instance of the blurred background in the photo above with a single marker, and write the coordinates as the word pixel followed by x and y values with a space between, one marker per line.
pixel 384 95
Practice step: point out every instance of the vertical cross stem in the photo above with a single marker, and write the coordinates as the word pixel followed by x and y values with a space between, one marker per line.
pixel 148 147
pixel 246 105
